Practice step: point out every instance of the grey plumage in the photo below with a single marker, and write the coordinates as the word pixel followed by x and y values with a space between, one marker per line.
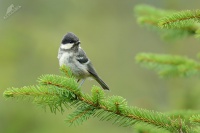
pixel 72 55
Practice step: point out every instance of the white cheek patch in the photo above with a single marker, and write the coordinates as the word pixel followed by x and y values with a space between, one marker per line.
pixel 66 46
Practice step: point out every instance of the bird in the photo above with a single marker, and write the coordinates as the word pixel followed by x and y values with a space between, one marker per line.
pixel 73 56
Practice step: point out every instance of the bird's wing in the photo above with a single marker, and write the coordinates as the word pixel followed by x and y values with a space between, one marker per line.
pixel 81 57
pixel 96 77
pixel 91 70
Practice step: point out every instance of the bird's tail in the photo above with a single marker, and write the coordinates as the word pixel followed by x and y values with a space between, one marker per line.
pixel 103 85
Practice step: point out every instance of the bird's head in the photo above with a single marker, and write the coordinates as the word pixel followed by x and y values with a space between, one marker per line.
pixel 69 41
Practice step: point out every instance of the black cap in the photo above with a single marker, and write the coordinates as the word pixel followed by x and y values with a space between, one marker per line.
pixel 70 38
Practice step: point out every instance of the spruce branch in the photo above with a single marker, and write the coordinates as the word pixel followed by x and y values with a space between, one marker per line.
pixel 60 93
pixel 82 114
pixel 66 71
pixel 169 24
pixel 149 15
pixel 180 20
pixel 168 65
pixel 41 95
pixel 183 114
pixel 195 119
pixel 144 128
pixel 69 84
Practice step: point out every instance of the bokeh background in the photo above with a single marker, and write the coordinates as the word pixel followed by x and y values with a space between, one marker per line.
pixel 29 41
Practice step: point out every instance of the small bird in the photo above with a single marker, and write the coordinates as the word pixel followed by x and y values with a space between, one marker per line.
pixel 72 55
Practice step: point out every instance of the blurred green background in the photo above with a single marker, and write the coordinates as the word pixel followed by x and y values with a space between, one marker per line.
pixel 29 42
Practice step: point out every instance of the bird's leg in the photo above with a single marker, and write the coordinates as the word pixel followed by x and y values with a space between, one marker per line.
pixel 82 81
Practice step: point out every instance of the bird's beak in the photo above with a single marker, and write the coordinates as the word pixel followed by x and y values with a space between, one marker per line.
pixel 78 42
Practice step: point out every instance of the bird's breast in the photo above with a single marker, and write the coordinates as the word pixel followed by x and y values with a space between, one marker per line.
pixel 79 70
pixel 66 58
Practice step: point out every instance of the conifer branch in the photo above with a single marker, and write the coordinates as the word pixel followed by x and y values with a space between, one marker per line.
pixel 149 15
pixel 42 95
pixel 60 93
pixel 168 65
pixel 144 128
pixel 183 114
pixel 180 19
pixel 169 24
pixel 195 119
pixel 80 115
